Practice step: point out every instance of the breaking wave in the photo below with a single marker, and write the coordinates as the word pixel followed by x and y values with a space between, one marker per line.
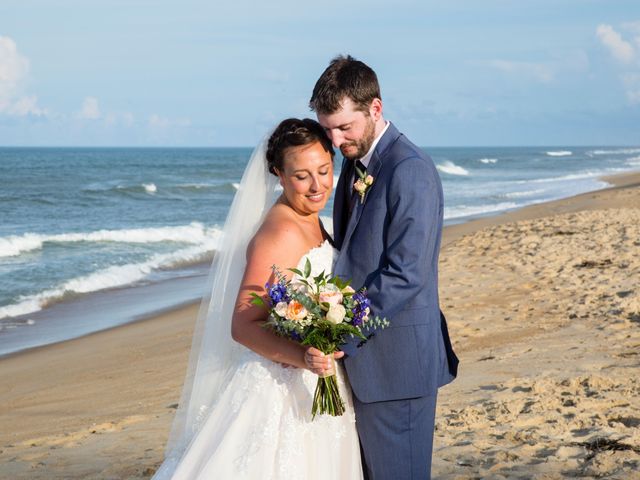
pixel 194 233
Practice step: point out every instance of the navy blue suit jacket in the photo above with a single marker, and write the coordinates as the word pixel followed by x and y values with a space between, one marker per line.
pixel 390 245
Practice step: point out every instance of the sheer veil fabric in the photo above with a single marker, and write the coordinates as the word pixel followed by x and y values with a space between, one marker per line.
pixel 214 353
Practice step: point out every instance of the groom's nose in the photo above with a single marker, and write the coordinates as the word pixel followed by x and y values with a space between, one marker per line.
pixel 336 137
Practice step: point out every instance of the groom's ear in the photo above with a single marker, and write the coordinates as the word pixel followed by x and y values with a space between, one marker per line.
pixel 375 109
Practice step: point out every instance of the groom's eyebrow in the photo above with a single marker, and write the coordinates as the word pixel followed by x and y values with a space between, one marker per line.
pixel 342 125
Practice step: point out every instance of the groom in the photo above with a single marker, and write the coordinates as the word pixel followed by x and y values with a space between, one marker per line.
pixel 388 230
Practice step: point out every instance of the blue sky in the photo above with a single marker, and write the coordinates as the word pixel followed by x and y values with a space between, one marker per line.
pixel 205 73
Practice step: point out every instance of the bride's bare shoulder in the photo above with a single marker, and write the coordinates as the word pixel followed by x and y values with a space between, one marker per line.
pixel 280 239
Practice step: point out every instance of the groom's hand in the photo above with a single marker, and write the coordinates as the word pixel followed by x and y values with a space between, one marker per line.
pixel 318 362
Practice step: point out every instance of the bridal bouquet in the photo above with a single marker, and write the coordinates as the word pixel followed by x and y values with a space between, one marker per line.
pixel 319 312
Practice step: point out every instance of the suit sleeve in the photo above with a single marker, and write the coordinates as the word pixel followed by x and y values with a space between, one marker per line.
pixel 414 205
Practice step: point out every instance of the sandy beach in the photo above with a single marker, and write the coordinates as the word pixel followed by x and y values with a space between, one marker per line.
pixel 543 305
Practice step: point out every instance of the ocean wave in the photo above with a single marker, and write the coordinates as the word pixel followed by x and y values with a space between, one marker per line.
pixel 468 210
pixel 150 187
pixel 633 161
pixel 144 187
pixel 227 187
pixel 559 153
pixel 194 233
pixel 195 186
pixel 488 160
pixel 618 151
pixel 111 277
pixel 452 169
pixel 526 193
pixel 563 178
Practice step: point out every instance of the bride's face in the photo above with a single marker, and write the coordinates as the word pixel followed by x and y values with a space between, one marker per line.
pixel 307 177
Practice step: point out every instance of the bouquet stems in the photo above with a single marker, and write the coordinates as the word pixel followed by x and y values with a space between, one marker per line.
pixel 327 399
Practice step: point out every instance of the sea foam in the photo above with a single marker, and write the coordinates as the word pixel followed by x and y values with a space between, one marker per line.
pixel 617 151
pixel 524 194
pixel 150 187
pixel 451 168
pixel 194 233
pixel 110 277
pixel 559 153
pixel 469 210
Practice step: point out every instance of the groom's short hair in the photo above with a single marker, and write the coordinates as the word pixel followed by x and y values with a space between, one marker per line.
pixel 345 77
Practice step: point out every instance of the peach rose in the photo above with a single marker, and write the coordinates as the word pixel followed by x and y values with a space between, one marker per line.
pixel 331 295
pixel 296 311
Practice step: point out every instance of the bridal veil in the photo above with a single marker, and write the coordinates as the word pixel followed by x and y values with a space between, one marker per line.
pixel 213 353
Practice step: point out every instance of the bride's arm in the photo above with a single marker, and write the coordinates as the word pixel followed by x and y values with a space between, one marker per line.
pixel 282 247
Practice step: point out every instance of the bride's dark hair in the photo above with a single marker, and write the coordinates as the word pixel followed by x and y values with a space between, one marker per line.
pixel 294 132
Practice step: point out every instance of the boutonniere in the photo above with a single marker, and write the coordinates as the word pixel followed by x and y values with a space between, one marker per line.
pixel 363 184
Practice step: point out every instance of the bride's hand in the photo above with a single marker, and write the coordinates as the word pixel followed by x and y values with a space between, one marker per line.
pixel 318 362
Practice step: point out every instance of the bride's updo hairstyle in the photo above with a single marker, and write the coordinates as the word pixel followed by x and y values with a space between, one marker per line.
pixel 294 132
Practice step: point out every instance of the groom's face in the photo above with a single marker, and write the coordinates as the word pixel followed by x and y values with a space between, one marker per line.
pixel 350 130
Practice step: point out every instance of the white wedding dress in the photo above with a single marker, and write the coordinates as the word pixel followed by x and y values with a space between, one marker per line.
pixel 260 427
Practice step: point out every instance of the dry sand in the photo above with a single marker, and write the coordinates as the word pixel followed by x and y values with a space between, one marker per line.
pixel 544 311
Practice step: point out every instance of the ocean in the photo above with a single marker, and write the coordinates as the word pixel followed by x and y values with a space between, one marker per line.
pixel 91 238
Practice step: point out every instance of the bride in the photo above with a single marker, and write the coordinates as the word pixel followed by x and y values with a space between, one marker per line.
pixel 245 411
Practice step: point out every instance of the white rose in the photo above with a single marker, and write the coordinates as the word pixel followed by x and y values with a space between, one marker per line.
pixel 336 314
pixel 281 309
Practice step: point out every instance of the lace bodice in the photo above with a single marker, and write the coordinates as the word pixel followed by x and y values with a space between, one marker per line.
pixel 321 259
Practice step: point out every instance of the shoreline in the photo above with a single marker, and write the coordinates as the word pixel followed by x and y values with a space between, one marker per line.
pixel 100 406
pixel 74 311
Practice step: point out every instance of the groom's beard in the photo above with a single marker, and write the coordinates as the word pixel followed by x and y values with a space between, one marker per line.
pixel 363 145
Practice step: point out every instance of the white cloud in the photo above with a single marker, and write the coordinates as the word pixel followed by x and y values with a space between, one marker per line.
pixel 27 106
pixel 14 71
pixel 157 121
pixel 539 71
pixel 90 109
pixel 625 53
pixel 622 50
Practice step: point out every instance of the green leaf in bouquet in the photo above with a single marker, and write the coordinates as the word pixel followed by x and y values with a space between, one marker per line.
pixel 307 268
pixel 308 303
pixel 319 280
pixel 341 284
pixel 296 271
pixel 257 300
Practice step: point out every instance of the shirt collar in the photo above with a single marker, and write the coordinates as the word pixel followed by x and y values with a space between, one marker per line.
pixel 367 158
